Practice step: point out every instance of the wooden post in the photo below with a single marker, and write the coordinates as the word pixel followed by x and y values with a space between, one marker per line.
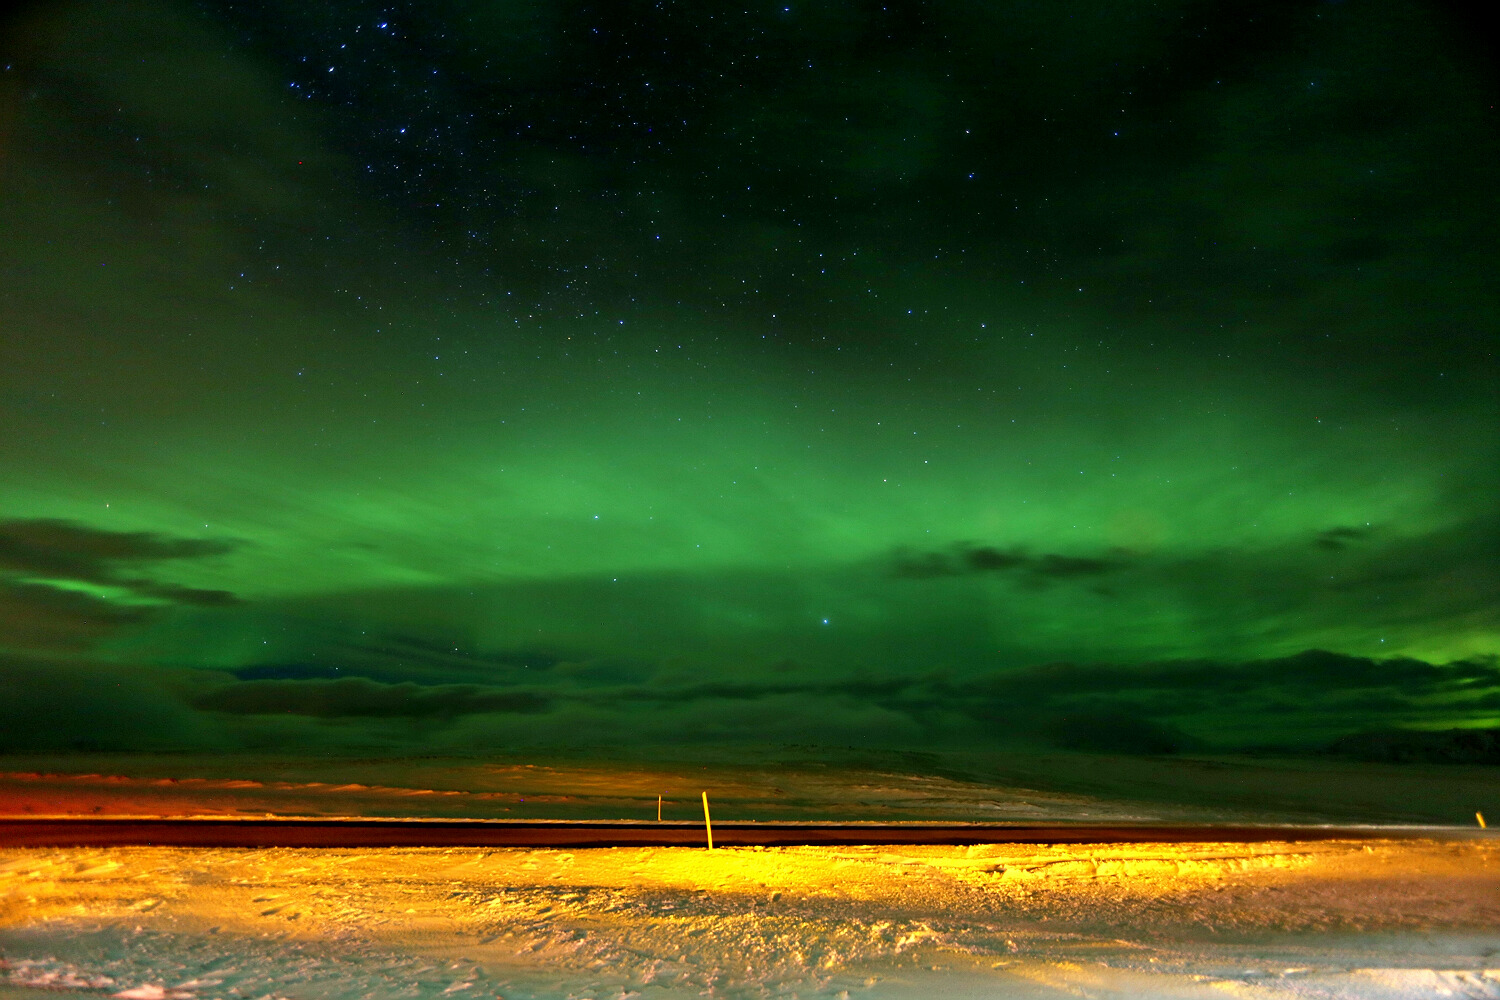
pixel 708 824
pixel 658 808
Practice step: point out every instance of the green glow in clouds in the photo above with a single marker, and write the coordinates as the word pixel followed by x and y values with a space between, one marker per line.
pixel 475 413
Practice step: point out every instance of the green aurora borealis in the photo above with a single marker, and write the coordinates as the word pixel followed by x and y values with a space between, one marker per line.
pixel 895 376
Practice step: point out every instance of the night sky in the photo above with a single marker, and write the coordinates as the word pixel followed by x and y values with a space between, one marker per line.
pixel 468 375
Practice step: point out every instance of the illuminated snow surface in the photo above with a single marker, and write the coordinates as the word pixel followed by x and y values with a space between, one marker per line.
pixel 1269 920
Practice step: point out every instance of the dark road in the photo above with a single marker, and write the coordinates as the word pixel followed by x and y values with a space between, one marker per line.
pixel 68 832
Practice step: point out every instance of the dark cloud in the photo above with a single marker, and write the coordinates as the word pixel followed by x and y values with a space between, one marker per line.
pixel 1062 567
pixel 1295 704
pixel 1140 708
pixel 1282 703
pixel 174 594
pixel 1309 673
pixel 1144 708
pixel 1406 746
pixel 336 651
pixel 985 559
pixel 47 565
pixel 39 617
pixel 358 696
pixel 1152 708
pixel 50 547
pixel 1334 539
pixel 38 550
pixel 967 559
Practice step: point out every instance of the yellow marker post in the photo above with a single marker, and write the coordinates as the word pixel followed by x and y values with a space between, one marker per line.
pixel 1480 816
pixel 708 824
pixel 658 808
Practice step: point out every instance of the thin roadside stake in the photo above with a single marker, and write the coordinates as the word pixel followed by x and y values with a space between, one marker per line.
pixel 708 824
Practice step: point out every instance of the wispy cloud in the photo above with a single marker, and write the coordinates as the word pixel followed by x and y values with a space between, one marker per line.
pixel 350 697
pixel 965 559
pixel 64 585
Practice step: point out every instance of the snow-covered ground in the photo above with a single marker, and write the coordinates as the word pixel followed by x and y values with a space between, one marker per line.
pixel 1271 920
